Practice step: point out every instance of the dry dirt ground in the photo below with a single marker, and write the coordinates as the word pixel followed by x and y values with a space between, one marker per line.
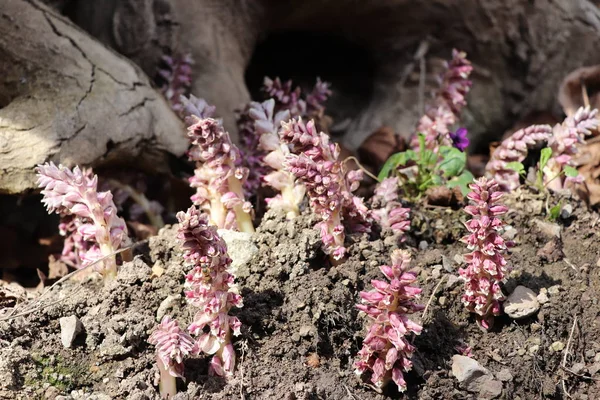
pixel 301 330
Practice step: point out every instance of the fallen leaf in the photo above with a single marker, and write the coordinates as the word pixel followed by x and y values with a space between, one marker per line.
pixel 571 91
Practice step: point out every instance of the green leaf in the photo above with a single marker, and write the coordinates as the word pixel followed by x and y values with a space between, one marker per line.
pixel 462 181
pixel 544 157
pixel 516 166
pixel 453 162
pixel 554 212
pixel 421 138
pixel 570 171
pixel 394 161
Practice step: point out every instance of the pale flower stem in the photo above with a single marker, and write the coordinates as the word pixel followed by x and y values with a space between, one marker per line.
pixel 289 196
pixel 168 384
pixel 244 222
pixel 154 218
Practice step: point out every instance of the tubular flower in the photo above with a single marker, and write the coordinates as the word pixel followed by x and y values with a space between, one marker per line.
pixel 211 289
pixel 295 103
pixel 486 264
pixel 389 212
pixel 448 103
pixel 564 141
pixel 314 162
pixel 95 217
pixel 266 125
pixel 172 345
pixel 515 149
pixel 316 98
pixel 285 98
pixel 218 177
pixel 386 351
pixel 176 79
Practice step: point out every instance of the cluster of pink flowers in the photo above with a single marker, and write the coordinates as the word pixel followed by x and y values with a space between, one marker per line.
pixel 177 79
pixel 211 289
pixel 564 141
pixel 515 149
pixel 252 123
pixel 219 176
pixel 266 126
pixel 448 103
pixel 486 267
pixel 290 99
pixel 92 214
pixel 387 351
pixel 314 161
pixel 389 211
pixel 172 345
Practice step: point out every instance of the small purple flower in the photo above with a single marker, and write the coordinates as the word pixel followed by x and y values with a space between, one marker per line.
pixel 459 139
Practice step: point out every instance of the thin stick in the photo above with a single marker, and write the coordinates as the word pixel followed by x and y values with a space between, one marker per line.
pixel 565 355
pixel 431 297
pixel 34 306
pixel 360 166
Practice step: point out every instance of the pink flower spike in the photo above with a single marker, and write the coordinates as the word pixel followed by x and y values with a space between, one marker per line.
pixel 449 101
pixel 211 289
pixel 486 266
pixel 218 171
pixel 93 215
pixel 386 350
pixel 388 210
pixel 314 162
pixel 172 345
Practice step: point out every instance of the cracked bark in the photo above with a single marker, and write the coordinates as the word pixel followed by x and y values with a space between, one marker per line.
pixel 521 49
pixel 58 102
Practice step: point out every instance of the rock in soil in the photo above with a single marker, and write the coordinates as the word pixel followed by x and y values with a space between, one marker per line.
pixel 521 303
pixel 475 378
pixel 70 327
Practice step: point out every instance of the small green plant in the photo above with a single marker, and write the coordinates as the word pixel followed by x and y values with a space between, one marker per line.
pixel 423 169
pixel 554 212
pixel 540 183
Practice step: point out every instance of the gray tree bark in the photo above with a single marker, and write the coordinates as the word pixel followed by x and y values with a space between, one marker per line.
pixel 65 97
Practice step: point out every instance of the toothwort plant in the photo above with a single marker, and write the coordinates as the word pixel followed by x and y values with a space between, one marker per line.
pixel 219 176
pixel 73 192
pixel 172 345
pixel 266 126
pixel 211 289
pixel 387 351
pixel 314 162
pixel 486 266
pixel 447 105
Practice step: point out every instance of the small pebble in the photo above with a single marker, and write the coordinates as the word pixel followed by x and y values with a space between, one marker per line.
pixel 534 349
pixel 423 245
pixel 504 375
pixel 566 211
pixel 552 290
pixel 557 346
pixel 443 301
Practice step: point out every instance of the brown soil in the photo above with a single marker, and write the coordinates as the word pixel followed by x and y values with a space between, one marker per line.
pixel 301 331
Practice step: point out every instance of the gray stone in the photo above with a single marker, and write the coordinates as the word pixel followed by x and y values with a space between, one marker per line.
pixel 70 327
pixel 305 330
pixel 550 230
pixel 554 290
pixel 566 211
pixel 504 375
pixel 423 245
pixel 240 246
pixel 521 303
pixel 475 378
pixel 447 264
